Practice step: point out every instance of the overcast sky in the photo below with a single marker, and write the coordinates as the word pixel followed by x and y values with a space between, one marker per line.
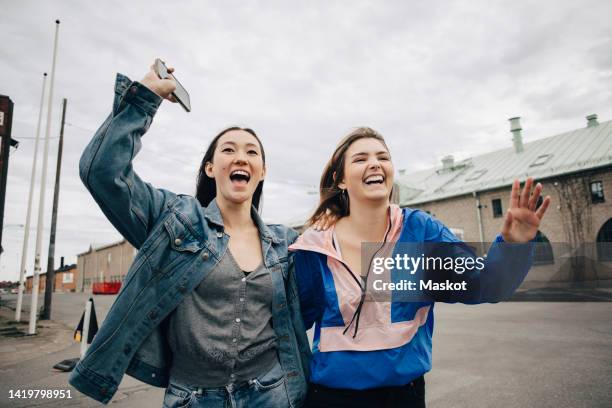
pixel 434 78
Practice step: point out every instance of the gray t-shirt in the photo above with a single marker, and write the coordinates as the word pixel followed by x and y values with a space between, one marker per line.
pixel 222 332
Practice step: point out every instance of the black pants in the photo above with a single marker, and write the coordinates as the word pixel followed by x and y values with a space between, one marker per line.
pixel 411 395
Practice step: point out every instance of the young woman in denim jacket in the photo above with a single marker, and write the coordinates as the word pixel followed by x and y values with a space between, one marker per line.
pixel 374 353
pixel 213 319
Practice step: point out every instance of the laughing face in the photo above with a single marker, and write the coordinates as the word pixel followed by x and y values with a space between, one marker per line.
pixel 237 166
pixel 368 171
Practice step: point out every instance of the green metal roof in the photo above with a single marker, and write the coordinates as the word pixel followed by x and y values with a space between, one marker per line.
pixel 577 150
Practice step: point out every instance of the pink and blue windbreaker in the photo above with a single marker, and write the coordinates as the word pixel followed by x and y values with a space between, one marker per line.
pixel 393 344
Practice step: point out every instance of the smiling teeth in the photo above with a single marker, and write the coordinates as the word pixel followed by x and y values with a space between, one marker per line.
pixel 373 179
pixel 244 173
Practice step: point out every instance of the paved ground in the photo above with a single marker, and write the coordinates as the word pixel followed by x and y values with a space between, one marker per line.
pixel 528 354
pixel 514 354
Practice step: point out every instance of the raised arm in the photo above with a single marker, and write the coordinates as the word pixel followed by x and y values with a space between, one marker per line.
pixel 130 204
pixel 510 256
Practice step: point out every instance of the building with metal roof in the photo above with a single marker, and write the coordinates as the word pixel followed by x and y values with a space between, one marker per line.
pixel 471 197
pixel 582 149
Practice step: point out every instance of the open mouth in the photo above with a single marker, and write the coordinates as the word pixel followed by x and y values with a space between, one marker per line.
pixel 374 179
pixel 241 177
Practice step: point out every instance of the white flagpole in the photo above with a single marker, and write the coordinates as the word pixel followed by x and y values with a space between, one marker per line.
pixel 26 233
pixel 41 203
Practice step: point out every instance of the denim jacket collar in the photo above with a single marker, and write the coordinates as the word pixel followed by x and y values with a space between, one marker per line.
pixel 213 215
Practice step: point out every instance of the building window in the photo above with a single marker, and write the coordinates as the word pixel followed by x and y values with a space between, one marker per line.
pixel 541 160
pixel 543 252
pixel 476 175
pixel 597 193
pixel 604 242
pixel 496 204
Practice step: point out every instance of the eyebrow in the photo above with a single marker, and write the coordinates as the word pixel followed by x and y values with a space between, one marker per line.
pixel 366 153
pixel 234 144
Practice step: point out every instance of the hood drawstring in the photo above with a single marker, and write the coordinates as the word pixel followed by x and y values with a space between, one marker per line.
pixel 363 287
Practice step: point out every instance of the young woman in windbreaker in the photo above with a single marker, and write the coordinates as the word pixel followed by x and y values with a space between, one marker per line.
pixel 372 353
pixel 208 309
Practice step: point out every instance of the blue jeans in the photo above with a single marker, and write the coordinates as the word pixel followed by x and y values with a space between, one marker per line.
pixel 267 390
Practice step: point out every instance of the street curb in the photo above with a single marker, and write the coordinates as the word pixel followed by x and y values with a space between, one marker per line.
pixel 16 346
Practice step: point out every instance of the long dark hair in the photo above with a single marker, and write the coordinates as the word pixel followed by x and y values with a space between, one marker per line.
pixel 331 196
pixel 206 189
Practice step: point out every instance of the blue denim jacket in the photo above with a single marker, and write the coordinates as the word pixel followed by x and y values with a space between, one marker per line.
pixel 179 242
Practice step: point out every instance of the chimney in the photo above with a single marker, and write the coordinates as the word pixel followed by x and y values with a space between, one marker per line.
pixel 517 137
pixel 62 262
pixel 592 120
pixel 448 162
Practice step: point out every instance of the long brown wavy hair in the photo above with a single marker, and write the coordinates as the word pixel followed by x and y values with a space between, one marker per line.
pixel 331 196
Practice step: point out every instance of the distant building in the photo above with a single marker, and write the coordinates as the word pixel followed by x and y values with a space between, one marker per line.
pixel 471 196
pixel 65 279
pixel 42 283
pixel 104 263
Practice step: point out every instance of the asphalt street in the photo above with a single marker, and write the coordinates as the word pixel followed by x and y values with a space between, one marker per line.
pixel 511 354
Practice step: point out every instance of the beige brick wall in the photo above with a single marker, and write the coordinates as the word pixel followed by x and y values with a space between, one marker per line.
pixel 460 213
pixel 108 264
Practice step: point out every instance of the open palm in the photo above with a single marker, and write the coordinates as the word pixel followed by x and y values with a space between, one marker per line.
pixel 523 219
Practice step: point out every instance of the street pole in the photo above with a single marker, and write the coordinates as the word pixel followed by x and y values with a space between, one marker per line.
pixel 41 203
pixel 6 123
pixel 26 232
pixel 51 255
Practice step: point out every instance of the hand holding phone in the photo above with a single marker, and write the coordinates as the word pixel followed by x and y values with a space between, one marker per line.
pixel 162 81
pixel 180 93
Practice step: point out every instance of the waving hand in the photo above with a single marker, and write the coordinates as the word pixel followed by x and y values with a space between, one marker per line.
pixel 523 219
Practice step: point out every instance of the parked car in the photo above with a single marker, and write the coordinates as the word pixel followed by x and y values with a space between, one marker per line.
pixel 14 291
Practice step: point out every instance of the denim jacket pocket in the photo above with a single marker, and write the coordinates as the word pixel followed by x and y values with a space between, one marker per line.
pixel 183 244
pixel 182 239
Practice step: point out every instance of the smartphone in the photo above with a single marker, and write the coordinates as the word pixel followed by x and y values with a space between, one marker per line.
pixel 180 94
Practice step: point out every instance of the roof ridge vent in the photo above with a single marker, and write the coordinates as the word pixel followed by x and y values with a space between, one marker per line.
pixel 592 120
pixel 448 162
pixel 517 137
